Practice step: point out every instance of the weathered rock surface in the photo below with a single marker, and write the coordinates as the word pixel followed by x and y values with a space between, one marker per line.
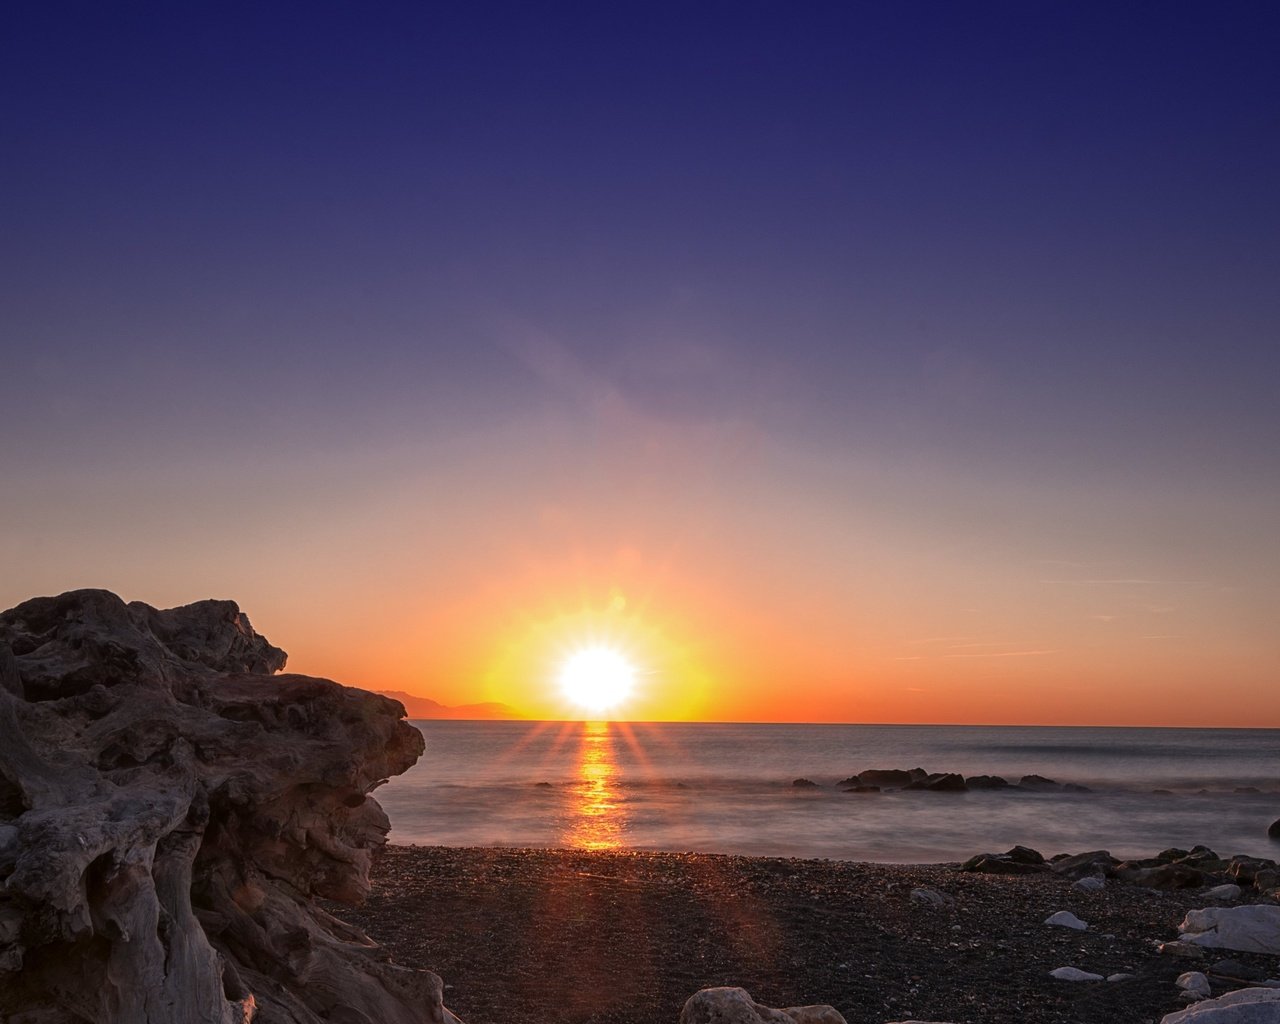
pixel 1244 1006
pixel 168 810
pixel 1249 929
pixel 735 1006
pixel 1066 919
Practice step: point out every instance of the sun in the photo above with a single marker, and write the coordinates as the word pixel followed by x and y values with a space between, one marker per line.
pixel 597 678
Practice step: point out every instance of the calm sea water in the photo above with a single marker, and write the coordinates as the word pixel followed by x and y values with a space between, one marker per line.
pixel 727 788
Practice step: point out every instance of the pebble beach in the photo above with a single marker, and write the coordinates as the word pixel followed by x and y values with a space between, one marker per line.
pixel 535 936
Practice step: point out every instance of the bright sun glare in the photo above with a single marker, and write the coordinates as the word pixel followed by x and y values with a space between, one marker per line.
pixel 597 678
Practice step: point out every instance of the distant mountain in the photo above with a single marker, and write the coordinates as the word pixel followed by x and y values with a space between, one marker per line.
pixel 425 707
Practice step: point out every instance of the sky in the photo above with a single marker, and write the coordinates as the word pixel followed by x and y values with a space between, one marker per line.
pixel 903 362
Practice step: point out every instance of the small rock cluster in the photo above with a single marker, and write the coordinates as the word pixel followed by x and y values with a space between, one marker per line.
pixel 1226 878
pixel 875 780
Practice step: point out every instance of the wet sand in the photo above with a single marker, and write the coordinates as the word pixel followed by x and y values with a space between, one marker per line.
pixel 570 937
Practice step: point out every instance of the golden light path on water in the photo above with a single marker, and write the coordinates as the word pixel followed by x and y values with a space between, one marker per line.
pixel 597 821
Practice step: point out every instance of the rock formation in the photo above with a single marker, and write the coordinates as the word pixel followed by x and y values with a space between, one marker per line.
pixel 169 811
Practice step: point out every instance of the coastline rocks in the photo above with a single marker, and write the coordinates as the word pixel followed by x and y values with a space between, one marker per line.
pixel 1248 929
pixel 1273 831
pixel 986 782
pixel 1244 1006
pixel 1096 863
pixel 886 778
pixel 1018 861
pixel 170 809
pixel 1194 984
pixel 1038 784
pixel 1066 919
pixel 1223 892
pixel 1163 876
pixel 735 1006
pixel 804 784
pixel 942 782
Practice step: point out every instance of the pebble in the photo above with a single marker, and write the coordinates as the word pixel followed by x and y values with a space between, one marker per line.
pixel 1066 919
pixel 1090 883
pixel 1195 983
pixel 929 896
pixel 1119 977
pixel 1073 974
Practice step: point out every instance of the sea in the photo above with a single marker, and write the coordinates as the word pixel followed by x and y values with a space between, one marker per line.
pixel 729 788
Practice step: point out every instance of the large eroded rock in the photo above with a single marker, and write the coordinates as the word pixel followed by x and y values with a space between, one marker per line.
pixel 1250 929
pixel 169 809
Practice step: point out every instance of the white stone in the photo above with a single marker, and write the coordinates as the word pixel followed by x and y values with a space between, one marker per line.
pixel 1073 974
pixel 1066 919
pixel 1195 983
pixel 1089 884
pixel 1223 892
pixel 1244 1006
pixel 1119 977
pixel 1251 929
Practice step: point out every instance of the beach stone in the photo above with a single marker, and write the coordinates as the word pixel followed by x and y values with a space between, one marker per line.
pixel 1244 1006
pixel 1074 974
pixel 172 811
pixel 1195 983
pixel 1121 976
pixel 1066 919
pixel 1163 876
pixel 1090 883
pixel 1000 864
pixel 1249 929
pixel 1082 865
pixel 1223 892
pixel 930 896
pixel 1245 870
pixel 735 1006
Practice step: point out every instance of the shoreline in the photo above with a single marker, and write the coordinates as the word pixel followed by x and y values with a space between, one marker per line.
pixel 562 936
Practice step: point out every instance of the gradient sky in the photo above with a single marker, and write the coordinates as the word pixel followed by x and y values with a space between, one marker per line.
pixel 853 362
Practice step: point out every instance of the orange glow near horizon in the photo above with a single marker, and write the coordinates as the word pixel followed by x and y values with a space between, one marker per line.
pixel 713 641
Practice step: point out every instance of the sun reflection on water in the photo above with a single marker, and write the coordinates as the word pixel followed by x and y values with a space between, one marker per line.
pixel 597 821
